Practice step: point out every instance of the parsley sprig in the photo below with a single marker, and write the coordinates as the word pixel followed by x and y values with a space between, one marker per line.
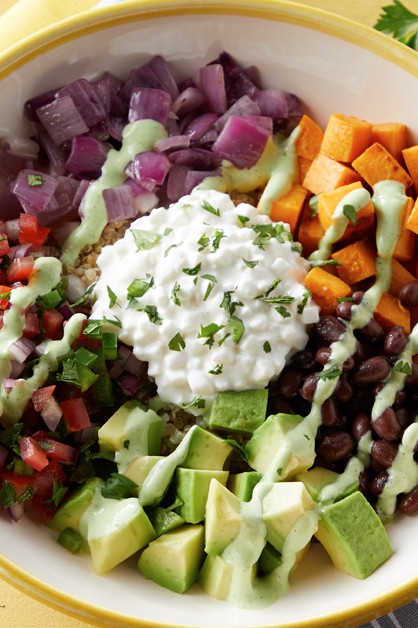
pixel 400 23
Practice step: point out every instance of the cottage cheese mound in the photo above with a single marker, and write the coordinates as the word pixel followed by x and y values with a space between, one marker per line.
pixel 209 294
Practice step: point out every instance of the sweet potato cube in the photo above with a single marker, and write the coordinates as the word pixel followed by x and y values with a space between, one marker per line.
pixel 412 220
pixel 392 135
pixel 345 137
pixel 326 174
pixel 400 276
pixel 288 208
pixel 377 164
pixel 310 138
pixel 390 312
pixel 405 247
pixel 303 167
pixel 327 204
pixel 410 156
pixel 357 261
pixel 310 232
pixel 326 289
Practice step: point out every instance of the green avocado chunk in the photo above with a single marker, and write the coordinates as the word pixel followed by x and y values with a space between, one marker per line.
pixel 223 518
pixel 69 514
pixel 131 422
pixel 215 577
pixel 164 520
pixel 206 451
pixel 317 478
pixel 354 536
pixel 192 489
pixel 174 559
pixel 239 411
pixel 242 484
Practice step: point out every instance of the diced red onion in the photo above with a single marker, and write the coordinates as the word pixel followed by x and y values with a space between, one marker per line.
pixel 17 510
pixel 120 202
pixel 237 81
pixel 86 158
pixel 8 383
pixel 87 434
pixel 56 161
pixel 62 120
pixel 16 369
pixel 244 106
pixel 189 100
pixel 31 327
pixel 241 141
pixel 81 190
pixel 51 414
pixel 208 138
pixel 86 99
pixel 38 195
pixel 145 202
pixel 272 103
pixel 197 158
pixel 12 229
pixel 172 143
pixel 33 104
pixel 109 86
pixel 66 311
pixel 22 147
pixel 212 85
pixel 20 250
pixel 115 370
pixel 115 127
pixel 62 231
pixel 143 76
pixel 21 349
pixel 176 182
pixel 130 384
pixel 99 131
pixel 148 168
pixel 147 103
pixel 199 125
pixel 75 288
pixel 162 70
pixel 194 177
pixel 40 348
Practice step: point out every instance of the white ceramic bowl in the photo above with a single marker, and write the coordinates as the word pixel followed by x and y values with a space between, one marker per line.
pixel 335 65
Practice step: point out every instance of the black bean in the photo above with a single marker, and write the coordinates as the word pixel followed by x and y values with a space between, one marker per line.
pixel 412 379
pixel 387 425
pixel 378 483
pixel 289 383
pixel 308 388
pixel 357 296
pixel 371 333
pixel 276 405
pixel 373 370
pixel 343 310
pixel 330 413
pixel 395 341
pixel 360 353
pixel 336 446
pixel 360 426
pixel 304 360
pixel 408 504
pixel 344 390
pixel 408 294
pixel 323 355
pixel 383 452
pixel 403 416
pixel 329 328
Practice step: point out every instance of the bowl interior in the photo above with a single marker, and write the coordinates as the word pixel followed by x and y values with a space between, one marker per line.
pixel 297 50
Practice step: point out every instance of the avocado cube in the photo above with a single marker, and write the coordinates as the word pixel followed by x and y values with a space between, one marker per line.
pixel 223 518
pixel 206 451
pixel 283 506
pixel 242 484
pixel 270 558
pixel 164 520
pixel 117 529
pixel 215 577
pixel 192 489
pixel 317 478
pixel 354 536
pixel 174 559
pixel 267 441
pixel 139 468
pixel 132 423
pixel 70 512
pixel 239 411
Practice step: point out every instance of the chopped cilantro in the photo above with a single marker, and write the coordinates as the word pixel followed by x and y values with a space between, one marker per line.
pixel 152 313
pixel 145 239
pixel 238 447
pixel 204 241
pixel 228 305
pixel 217 370
pixel 282 311
pixel 94 327
pixel 403 367
pixel 250 263
pixel 193 271
pixel 243 219
pixel 138 287
pixel 113 299
pixel 175 294
pixel 196 402
pixel 324 262
pixel 344 299
pixel 208 332
pixel 350 213
pixel 237 328
pixel 281 298
pixel 304 300
pixel 84 297
pixel 118 486
pixel 330 373
pixel 216 240
pixel 267 347
pixel 209 208
pixel 34 180
pixel 177 343
pixel 173 246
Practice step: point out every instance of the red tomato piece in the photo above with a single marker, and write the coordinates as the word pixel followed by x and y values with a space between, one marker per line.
pixel 4 245
pixel 4 298
pixel 54 450
pixel 75 414
pixel 39 399
pixel 19 483
pixel 43 484
pixel 30 231
pixel 20 268
pixel 52 322
pixel 32 453
pixel 31 327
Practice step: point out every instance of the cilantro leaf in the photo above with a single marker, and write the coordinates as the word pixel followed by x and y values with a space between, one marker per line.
pixel 267 347
pixel 192 271
pixel 118 486
pixel 113 299
pixel 84 297
pixel 34 180
pixel 237 328
pixel 152 313
pixel 243 219
pixel 138 287
pixel 330 373
pixel 208 332
pixel 250 263
pixel 304 300
pixel 280 309
pixel 209 208
pixel 397 21
pixel 196 402
pixel 403 367
pixel 175 294
pixel 177 342
pixel 350 213
pixel 217 370
pixel 145 240
pixel 238 447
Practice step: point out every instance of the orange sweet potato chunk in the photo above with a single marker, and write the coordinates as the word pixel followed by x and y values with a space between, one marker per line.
pixel 377 164
pixel 310 138
pixel 310 232
pixel 345 137
pixel 326 174
pixel 410 156
pixel 392 135
pixel 400 276
pixel 328 201
pixel 326 289
pixel 288 208
pixel 412 220
pixel 357 261
pixel 390 312
pixel 303 167
pixel 405 247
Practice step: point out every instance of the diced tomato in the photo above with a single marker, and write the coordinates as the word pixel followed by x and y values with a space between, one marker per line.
pixel 65 454
pixel 52 322
pixel 40 397
pixel 31 327
pixel 19 483
pixel 4 245
pixel 75 414
pixel 30 231
pixel 32 453
pixel 45 508
pixel 43 484
pixel 20 268
pixel 4 299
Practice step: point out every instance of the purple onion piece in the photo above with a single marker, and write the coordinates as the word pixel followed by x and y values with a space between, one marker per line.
pixel 16 369
pixel 237 79
pixel 162 70
pixel 120 203
pixel 12 229
pixel 8 383
pixel 34 189
pixel 62 120
pixel 244 106
pixel 130 384
pixel 212 85
pixel 86 158
pixel 21 349
pixel 149 104
pixel 109 86
pixel 189 100
pixel 20 250
pixel 194 177
pixel 63 230
pixel 148 168
pixel 115 127
pixel 242 141
pixel 143 76
pixel 86 99
pixel 176 182
pixel 51 414
pixel 17 510
pixel 83 186
pixel 196 158
pixel 55 153
pixel 200 125
pixel 40 100
pixel 272 103
pixel 172 143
